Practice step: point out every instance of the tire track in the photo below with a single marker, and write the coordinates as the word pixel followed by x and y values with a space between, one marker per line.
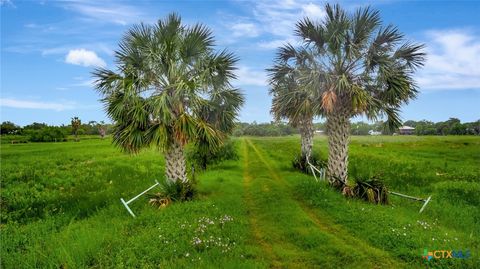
pixel 337 233
pixel 258 235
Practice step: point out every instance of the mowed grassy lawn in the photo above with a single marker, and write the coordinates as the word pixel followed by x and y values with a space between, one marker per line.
pixel 61 208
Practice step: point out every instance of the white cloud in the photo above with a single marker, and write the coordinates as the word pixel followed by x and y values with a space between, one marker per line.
pixel 84 57
pixel 276 43
pixel 86 83
pixel 245 30
pixel 7 3
pixel 246 76
pixel 313 11
pixel 453 61
pixel 15 103
pixel 107 11
pixel 103 47
pixel 279 18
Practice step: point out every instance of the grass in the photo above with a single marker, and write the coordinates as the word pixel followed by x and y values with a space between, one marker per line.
pixel 61 209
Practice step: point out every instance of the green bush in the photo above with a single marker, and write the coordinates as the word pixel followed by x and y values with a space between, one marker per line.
pixel 299 162
pixel 202 158
pixel 173 191
pixel 48 134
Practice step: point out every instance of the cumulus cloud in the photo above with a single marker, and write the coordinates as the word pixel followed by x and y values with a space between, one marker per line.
pixel 247 76
pixel 453 61
pixel 84 57
pixel 245 30
pixel 26 104
pixel 279 18
pixel 313 11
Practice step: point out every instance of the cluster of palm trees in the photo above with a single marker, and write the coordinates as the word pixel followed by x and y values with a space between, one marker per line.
pixel 172 87
pixel 346 65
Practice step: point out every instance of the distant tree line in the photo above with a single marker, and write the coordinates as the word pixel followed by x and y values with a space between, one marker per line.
pixel 453 126
pixel 263 129
pixel 41 132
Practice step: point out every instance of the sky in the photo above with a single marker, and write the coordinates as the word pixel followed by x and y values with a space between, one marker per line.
pixel 50 48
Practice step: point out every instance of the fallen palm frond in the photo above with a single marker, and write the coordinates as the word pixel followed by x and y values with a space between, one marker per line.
pixel 159 200
pixel 372 190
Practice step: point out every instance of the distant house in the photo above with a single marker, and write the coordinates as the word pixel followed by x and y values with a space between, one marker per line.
pixel 319 132
pixel 406 130
pixel 372 132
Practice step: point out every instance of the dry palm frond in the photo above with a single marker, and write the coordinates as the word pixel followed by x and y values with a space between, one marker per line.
pixel 329 98
pixel 347 191
pixel 159 200
pixel 371 190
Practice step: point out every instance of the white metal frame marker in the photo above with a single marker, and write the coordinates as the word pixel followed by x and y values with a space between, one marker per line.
pixel 321 172
pixel 322 176
pixel 425 201
pixel 136 197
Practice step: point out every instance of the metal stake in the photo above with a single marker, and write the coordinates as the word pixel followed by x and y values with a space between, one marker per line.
pixel 134 198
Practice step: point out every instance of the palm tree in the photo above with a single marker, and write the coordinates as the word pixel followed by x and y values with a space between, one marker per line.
pixel 294 99
pixel 367 69
pixel 167 73
pixel 76 123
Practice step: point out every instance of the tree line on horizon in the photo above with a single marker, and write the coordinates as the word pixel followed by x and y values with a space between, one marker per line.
pixel 452 126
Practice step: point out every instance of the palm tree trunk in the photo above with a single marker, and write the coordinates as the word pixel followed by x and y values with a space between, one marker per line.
pixel 175 166
pixel 338 127
pixel 306 134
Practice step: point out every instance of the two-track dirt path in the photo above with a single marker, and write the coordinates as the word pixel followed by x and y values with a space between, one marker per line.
pixel 290 233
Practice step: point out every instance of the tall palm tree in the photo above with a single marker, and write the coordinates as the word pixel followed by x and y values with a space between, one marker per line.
pixel 294 98
pixel 76 123
pixel 367 69
pixel 167 73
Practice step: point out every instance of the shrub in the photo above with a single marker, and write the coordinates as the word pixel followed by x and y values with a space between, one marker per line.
pixel 202 158
pixel 372 190
pixel 300 163
pixel 171 192
pixel 48 134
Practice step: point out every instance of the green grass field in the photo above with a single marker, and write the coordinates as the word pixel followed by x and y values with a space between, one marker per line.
pixel 61 208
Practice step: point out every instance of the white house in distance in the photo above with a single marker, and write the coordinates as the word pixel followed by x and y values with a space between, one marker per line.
pixel 372 132
pixel 406 130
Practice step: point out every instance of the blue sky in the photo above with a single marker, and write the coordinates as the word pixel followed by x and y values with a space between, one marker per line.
pixel 49 48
